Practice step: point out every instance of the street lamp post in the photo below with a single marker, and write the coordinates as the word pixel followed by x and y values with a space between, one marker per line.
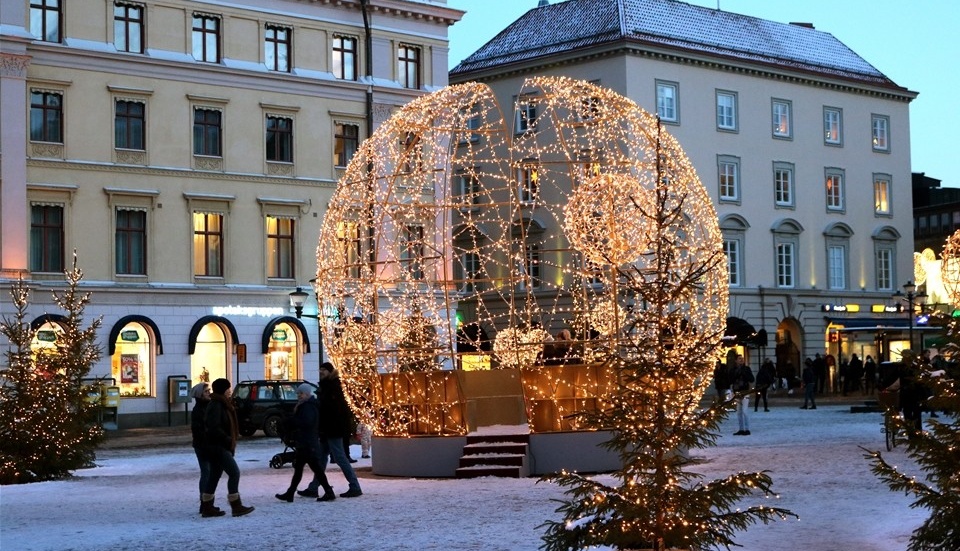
pixel 912 298
pixel 297 298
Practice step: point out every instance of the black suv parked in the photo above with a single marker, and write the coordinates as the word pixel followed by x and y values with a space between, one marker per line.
pixel 263 405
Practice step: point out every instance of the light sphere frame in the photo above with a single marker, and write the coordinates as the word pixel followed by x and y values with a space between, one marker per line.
pixel 524 225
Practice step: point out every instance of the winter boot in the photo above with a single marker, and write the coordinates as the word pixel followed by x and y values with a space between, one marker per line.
pixel 239 509
pixel 328 494
pixel 286 496
pixel 207 508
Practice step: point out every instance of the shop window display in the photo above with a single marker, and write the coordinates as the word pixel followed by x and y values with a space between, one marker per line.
pixel 282 360
pixel 132 363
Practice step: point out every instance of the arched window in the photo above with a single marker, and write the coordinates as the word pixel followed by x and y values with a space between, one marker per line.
pixel 282 357
pixel 132 362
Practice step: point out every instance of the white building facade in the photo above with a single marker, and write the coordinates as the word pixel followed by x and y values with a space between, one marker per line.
pixel 186 150
pixel 803 146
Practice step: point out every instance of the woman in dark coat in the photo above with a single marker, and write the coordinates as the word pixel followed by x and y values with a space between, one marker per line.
pixel 304 427
pixel 335 419
pixel 201 395
pixel 220 422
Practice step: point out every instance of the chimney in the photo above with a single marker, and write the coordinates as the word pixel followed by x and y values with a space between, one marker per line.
pixel 804 25
pixel 543 3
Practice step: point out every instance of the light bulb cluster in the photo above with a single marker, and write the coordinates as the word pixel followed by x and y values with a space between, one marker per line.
pixel 575 214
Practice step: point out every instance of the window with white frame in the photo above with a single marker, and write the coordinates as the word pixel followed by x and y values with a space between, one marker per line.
pixel 728 176
pixel 668 103
pixel 471 121
pixel 412 251
pixel 836 267
pixel 530 270
pixel 528 182
pixel 783 194
pixel 884 267
pixel 469 271
pixel 734 229
pixel 731 248
pixel 881 133
pixel 881 194
pixel 526 117
pixel 832 126
pixel 279 139
pixel 834 189
pixel 782 122
pixel 206 38
pixel 467 188
pixel 785 265
pixel 786 238
pixel 726 110
pixel 47 237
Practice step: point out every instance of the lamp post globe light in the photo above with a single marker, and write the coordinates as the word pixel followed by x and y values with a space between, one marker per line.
pixel 297 300
pixel 912 298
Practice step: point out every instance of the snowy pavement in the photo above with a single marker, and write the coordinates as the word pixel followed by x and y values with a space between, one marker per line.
pixel 147 498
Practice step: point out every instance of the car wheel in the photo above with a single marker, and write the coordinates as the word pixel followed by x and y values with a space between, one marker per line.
pixel 247 430
pixel 271 426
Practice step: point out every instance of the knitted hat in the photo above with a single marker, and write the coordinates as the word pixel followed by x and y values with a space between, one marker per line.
pixel 198 391
pixel 220 386
pixel 305 388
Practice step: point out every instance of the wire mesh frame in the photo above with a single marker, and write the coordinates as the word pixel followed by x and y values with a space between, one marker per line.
pixel 453 212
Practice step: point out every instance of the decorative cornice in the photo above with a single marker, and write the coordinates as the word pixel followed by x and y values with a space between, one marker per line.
pixel 14 66
pixel 182 173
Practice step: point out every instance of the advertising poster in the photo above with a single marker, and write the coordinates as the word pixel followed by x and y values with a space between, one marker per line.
pixel 129 368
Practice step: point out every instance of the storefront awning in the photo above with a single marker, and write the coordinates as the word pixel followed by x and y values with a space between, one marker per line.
pixel 875 324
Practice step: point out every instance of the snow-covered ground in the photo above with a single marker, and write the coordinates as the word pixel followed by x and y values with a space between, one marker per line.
pixel 148 498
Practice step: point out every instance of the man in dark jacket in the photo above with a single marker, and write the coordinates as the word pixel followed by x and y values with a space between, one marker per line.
pixel 201 393
pixel 743 378
pixel 809 385
pixel 220 422
pixel 765 378
pixel 335 418
pixel 303 426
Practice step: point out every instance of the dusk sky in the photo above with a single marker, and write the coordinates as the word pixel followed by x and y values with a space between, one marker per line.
pixel 914 44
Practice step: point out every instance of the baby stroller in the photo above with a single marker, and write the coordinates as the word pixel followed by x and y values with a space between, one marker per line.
pixel 288 437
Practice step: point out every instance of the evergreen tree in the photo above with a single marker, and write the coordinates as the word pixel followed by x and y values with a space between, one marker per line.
pixel 662 360
pixel 47 427
pixel 935 450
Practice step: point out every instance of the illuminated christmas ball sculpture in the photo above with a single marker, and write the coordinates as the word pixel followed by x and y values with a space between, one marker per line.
pixel 574 212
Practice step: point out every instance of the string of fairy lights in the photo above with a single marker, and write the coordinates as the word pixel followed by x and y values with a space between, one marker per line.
pixel 523 223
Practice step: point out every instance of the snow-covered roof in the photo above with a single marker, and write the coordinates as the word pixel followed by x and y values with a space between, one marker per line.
pixel 671 25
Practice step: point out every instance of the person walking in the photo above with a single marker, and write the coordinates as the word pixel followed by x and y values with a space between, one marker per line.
pixel 220 422
pixel 335 417
pixel 743 377
pixel 855 374
pixel 722 381
pixel 304 428
pixel 201 396
pixel 820 370
pixel 809 378
pixel 766 376
pixel 869 376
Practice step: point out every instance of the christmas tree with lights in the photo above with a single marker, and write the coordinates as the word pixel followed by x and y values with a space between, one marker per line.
pixel 935 450
pixel 668 283
pixel 47 426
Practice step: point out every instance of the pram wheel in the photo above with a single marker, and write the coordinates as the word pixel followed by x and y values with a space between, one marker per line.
pixel 276 461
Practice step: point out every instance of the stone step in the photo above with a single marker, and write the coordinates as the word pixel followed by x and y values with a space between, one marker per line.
pixel 488 470
pixel 500 460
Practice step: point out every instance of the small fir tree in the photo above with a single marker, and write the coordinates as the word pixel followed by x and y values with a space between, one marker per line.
pixel 47 426
pixel 935 450
pixel 662 361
